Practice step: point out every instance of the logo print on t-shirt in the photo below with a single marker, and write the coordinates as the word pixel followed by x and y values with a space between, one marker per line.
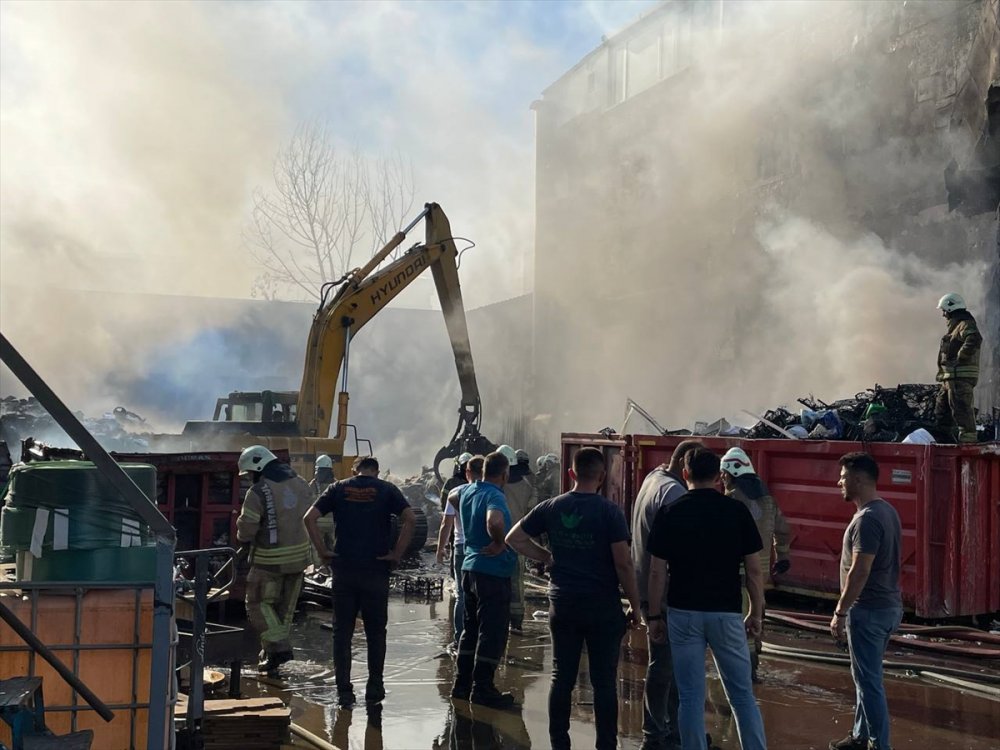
pixel 570 520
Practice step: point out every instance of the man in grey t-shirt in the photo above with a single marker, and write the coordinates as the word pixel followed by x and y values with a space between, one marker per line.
pixel 870 607
pixel 661 487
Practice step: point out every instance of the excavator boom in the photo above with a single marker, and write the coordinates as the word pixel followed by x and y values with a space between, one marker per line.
pixel 301 422
pixel 363 294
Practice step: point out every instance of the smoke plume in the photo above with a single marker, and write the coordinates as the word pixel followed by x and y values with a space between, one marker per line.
pixel 770 219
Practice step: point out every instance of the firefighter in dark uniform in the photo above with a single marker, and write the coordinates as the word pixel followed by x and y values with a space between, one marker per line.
pixel 958 370
pixel 280 550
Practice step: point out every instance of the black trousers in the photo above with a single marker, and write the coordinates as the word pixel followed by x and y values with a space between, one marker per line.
pixel 364 592
pixel 484 632
pixel 600 624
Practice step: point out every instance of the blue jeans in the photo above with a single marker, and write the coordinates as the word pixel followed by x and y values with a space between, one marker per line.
pixel 868 632
pixel 457 557
pixel 690 632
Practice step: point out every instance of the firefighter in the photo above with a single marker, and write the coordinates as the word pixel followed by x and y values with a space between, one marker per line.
pixel 742 483
pixel 958 370
pixel 323 476
pixel 271 524
pixel 520 494
pixel 547 476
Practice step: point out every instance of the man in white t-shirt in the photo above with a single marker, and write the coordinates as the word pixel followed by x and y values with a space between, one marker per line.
pixel 451 520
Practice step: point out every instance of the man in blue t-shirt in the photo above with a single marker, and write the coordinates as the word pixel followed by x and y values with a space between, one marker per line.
pixel 486 573
pixel 362 509
pixel 589 558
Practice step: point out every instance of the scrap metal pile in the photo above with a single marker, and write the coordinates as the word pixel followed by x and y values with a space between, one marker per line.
pixel 904 413
pixel 878 414
pixel 120 430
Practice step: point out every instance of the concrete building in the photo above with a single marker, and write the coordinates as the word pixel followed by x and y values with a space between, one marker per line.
pixel 740 203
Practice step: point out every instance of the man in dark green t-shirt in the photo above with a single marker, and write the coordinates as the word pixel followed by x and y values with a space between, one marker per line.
pixel 589 558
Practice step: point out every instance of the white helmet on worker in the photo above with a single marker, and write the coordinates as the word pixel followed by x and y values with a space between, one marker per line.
pixel 951 302
pixel 463 459
pixel 549 459
pixel 509 453
pixel 323 461
pixel 255 458
pixel 736 462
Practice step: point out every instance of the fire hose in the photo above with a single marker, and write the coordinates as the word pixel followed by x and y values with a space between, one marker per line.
pixel 908 639
pixel 987 685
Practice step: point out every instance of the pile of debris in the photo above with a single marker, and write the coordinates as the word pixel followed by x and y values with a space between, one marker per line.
pixel 423 492
pixel 884 415
pixel 118 430
pixel 878 415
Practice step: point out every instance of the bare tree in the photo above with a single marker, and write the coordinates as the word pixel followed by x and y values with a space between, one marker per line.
pixel 325 206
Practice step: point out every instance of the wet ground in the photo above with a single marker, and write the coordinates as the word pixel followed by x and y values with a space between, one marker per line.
pixel 804 705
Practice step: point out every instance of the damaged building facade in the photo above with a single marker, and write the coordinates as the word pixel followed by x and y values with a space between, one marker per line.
pixel 740 203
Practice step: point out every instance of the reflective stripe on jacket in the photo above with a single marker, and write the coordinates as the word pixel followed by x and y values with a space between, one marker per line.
pixel 958 357
pixel 271 519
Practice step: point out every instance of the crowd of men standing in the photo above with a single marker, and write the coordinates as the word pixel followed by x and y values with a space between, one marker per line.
pixel 704 539
pixel 692 566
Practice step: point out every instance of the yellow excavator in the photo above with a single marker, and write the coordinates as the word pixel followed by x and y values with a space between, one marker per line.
pixel 300 421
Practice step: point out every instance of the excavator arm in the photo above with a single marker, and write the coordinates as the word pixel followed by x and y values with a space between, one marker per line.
pixel 362 294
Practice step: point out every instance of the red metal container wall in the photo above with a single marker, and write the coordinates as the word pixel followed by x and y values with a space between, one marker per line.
pixel 947 497
pixel 617 487
pixel 802 476
pixel 948 500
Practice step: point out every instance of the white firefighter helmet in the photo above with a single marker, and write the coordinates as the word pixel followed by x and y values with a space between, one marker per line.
pixel 509 453
pixel 255 458
pixel 549 459
pixel 951 302
pixel 323 461
pixel 463 459
pixel 737 462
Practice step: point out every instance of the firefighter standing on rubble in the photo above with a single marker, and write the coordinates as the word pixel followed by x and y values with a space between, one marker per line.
pixel 958 370
pixel 742 483
pixel 271 523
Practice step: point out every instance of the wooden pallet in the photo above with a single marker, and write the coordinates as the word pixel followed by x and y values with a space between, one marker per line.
pixel 251 724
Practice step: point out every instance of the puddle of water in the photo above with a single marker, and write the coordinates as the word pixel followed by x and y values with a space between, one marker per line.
pixel 804 705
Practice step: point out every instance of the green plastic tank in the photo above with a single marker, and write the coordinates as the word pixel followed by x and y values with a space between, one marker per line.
pixel 85 531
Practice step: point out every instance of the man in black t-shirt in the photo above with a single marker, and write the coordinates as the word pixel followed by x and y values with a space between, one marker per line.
pixel 589 558
pixel 362 509
pixel 703 537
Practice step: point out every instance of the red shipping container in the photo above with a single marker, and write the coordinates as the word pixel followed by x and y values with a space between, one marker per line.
pixel 947 497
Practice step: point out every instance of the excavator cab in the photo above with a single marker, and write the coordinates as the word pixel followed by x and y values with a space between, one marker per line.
pixel 257 406
pixel 251 412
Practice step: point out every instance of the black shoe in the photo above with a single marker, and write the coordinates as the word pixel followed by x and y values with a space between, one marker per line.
pixel 850 742
pixel 517 626
pixel 374 694
pixel 493 699
pixel 346 698
pixel 274 661
pixel 461 693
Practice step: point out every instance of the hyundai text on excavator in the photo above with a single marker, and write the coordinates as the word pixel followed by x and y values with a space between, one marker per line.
pixel 300 421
